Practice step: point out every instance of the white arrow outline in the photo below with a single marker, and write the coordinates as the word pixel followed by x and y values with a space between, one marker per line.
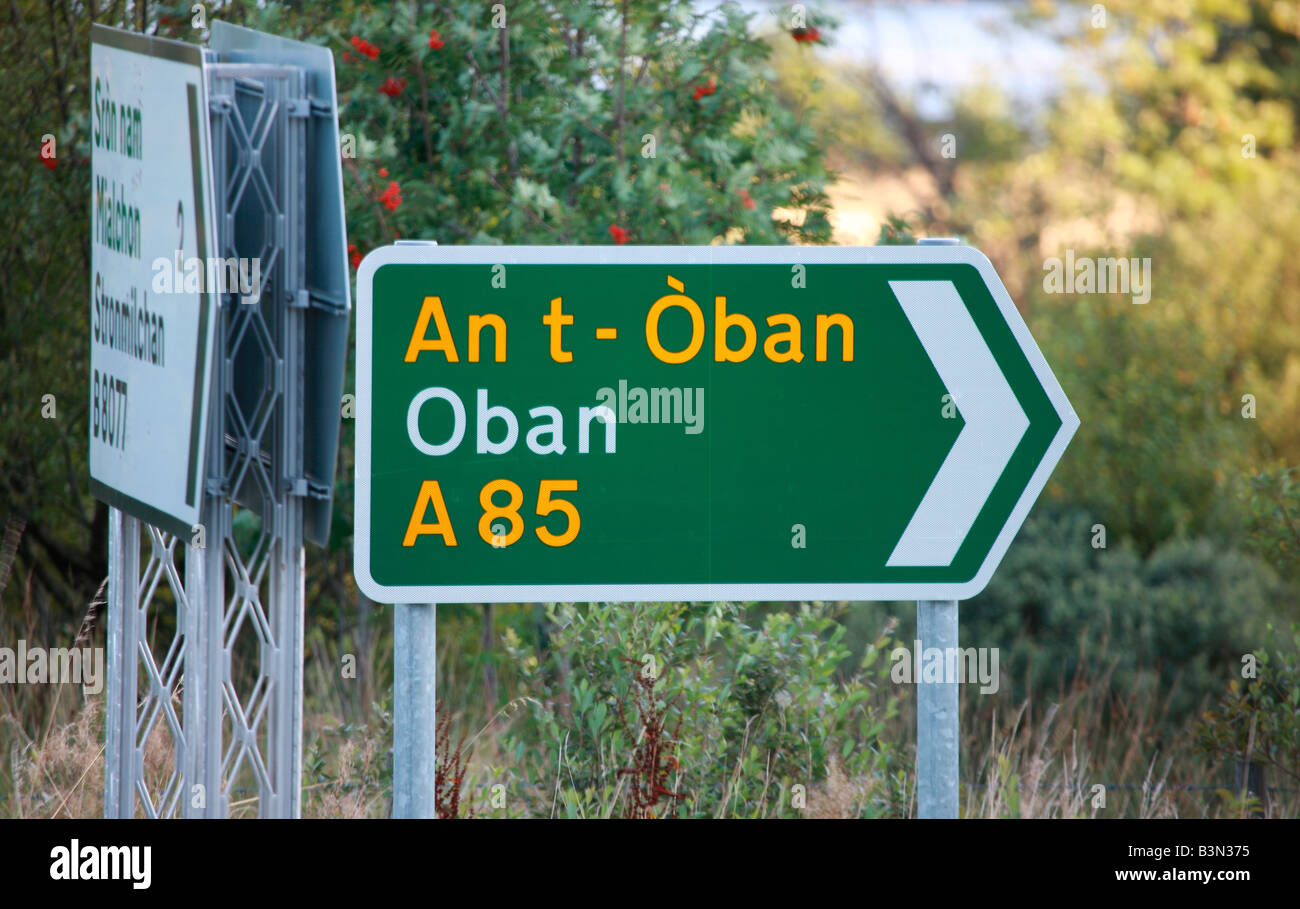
pixel 995 423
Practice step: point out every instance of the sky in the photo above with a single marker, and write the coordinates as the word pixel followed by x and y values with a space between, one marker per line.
pixel 933 48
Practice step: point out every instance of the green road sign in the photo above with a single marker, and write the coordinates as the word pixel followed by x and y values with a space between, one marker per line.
pixel 693 423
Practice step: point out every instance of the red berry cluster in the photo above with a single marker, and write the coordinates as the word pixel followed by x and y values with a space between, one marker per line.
pixel 391 197
pixel 392 86
pixel 806 35
pixel 435 40
pixel 621 235
pixel 702 90
pixel 364 47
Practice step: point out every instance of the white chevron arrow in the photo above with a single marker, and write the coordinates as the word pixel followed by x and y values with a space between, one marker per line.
pixel 995 423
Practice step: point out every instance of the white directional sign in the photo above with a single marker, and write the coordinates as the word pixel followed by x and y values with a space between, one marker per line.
pixel 154 275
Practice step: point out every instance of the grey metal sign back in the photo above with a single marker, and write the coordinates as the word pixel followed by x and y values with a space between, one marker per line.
pixel 324 293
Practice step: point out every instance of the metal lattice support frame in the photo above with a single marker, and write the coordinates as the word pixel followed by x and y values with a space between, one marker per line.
pixel 220 716
pixel 143 694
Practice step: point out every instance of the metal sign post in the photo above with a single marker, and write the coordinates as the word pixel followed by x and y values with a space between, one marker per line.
pixel 415 700
pixel 937 716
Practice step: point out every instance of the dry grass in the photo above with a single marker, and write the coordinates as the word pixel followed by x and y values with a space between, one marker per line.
pixel 63 774
pixel 839 796
pixel 353 788
pixel 1048 760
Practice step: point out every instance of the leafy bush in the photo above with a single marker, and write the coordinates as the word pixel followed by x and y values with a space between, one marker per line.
pixel 1161 440
pixel 1273 497
pixel 1173 624
pixel 591 122
pixel 347 770
pixel 748 720
pixel 1258 719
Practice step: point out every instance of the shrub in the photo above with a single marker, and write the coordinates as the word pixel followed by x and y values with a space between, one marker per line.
pixel 1258 719
pixel 749 720
pixel 1173 624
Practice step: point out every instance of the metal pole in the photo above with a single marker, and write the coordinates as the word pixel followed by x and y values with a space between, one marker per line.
pixel 289 566
pixel 415 698
pixel 936 713
pixel 284 750
pixel 122 754
pixel 415 723
pixel 194 793
pixel 120 714
pixel 936 703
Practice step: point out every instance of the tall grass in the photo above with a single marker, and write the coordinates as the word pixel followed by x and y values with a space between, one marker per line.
pixel 1086 751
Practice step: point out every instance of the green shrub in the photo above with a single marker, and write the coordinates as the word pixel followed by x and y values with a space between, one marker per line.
pixel 1258 718
pixel 1173 624
pixel 750 720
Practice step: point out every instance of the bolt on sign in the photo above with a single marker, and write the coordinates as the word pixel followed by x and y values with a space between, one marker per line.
pixel 152 309
pixel 693 423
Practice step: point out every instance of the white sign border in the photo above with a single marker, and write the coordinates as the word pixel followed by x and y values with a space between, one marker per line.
pixel 412 254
